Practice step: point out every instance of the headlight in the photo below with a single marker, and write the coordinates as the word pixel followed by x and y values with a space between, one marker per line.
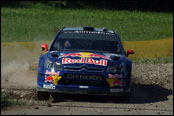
pixel 51 64
pixel 57 66
pixel 114 69
pixel 48 63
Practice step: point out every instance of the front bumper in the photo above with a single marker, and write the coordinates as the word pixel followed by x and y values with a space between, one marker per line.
pixel 93 85
pixel 86 90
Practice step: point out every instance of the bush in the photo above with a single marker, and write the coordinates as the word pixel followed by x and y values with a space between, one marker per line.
pixel 57 3
pixel 4 100
pixel 156 5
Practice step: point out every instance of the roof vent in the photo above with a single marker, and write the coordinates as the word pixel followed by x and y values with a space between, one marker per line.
pixel 88 28
pixel 104 29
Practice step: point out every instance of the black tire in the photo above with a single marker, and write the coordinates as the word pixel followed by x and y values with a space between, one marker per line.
pixel 43 95
pixel 57 97
pixel 127 96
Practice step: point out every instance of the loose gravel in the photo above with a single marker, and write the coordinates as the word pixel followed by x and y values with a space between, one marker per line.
pixel 152 93
pixel 154 74
pixel 144 76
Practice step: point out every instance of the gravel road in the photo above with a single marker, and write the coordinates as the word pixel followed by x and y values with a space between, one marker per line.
pixel 152 93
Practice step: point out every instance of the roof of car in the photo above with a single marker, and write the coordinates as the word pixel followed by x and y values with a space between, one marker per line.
pixel 88 33
pixel 87 29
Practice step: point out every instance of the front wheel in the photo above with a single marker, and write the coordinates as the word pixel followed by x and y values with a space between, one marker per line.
pixel 127 96
pixel 42 95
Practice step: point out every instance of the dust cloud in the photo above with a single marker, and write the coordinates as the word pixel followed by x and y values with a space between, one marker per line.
pixel 16 60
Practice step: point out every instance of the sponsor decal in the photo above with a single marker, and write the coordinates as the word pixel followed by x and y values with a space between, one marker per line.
pixel 49 79
pixel 116 90
pixel 114 80
pixel 85 55
pixel 117 82
pixel 84 87
pixel 98 56
pixel 114 76
pixel 70 54
pixel 82 76
pixel 52 79
pixel 84 60
pixel 52 73
pixel 91 32
pixel 51 86
pixel 72 61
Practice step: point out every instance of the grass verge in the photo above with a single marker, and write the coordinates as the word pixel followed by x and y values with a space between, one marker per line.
pixel 6 102
pixel 153 60
pixel 41 24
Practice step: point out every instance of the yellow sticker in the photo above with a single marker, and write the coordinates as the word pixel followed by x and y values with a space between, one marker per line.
pixel 56 79
pixel 114 82
pixel 85 54
pixel 110 81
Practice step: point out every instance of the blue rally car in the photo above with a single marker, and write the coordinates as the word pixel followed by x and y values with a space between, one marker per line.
pixel 84 60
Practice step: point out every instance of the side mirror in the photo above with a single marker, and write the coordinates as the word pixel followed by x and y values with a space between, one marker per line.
pixel 129 52
pixel 44 47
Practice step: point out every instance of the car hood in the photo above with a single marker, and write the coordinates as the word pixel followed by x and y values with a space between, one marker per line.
pixel 91 59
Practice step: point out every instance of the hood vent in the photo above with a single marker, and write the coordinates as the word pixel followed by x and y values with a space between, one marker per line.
pixel 88 28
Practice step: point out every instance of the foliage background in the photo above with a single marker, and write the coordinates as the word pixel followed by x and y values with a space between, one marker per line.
pixel 148 5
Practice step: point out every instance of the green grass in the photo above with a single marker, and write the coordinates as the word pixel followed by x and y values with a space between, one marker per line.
pixel 6 102
pixel 34 24
pixel 153 60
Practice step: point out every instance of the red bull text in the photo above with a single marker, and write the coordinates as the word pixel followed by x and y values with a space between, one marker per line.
pixel 52 73
pixel 84 60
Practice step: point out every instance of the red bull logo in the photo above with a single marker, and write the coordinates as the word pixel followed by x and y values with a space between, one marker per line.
pixel 85 55
pixel 98 56
pixel 116 80
pixel 53 79
pixel 71 54
pixel 49 79
pixel 84 60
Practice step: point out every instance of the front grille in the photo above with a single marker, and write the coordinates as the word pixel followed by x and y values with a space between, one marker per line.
pixel 89 69
pixel 83 77
pixel 85 80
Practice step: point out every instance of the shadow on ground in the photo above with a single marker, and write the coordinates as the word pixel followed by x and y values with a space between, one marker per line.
pixel 140 94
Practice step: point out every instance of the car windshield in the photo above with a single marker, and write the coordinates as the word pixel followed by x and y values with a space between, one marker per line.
pixel 62 44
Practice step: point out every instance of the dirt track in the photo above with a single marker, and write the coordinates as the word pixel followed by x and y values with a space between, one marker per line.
pixel 152 93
